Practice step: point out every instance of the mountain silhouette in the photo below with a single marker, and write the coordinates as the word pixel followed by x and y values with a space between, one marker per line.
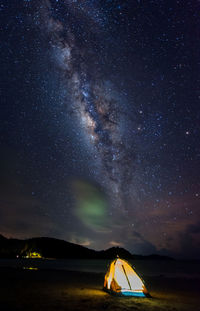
pixel 55 248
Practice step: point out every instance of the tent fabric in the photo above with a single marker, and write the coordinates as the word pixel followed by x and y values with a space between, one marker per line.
pixel 121 279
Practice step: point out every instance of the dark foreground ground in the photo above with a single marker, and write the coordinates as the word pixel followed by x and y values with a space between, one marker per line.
pixel 65 290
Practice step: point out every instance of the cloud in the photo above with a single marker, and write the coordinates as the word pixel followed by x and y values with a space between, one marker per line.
pixel 190 241
pixel 140 245
pixel 194 228
pixel 115 243
pixel 135 242
pixel 21 216
pixel 21 212
pixel 80 240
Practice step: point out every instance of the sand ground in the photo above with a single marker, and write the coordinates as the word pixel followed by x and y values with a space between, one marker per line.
pixel 66 290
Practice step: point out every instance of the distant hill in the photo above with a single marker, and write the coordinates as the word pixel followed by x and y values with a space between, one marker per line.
pixel 54 248
pixel 114 252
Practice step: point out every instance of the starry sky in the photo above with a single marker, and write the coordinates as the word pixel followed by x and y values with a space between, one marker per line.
pixel 100 123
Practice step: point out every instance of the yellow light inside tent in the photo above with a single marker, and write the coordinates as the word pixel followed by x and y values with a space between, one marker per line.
pixel 121 278
pixel 126 276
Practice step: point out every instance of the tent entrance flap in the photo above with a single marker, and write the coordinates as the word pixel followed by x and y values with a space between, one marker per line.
pixel 126 276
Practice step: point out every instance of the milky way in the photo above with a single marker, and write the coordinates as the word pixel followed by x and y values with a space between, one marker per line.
pixel 95 107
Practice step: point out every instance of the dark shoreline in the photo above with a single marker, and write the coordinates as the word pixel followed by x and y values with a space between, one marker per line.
pixel 22 289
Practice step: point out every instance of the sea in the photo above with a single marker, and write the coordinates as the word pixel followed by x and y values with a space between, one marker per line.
pixel 164 268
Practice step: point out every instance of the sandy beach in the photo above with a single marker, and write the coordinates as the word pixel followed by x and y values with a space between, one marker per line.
pixel 22 289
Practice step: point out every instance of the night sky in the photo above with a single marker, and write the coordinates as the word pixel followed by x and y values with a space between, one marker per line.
pixel 100 123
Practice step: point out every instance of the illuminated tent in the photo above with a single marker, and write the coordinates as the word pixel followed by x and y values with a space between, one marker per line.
pixel 121 279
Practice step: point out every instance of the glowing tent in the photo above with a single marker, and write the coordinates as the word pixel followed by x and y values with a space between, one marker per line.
pixel 121 279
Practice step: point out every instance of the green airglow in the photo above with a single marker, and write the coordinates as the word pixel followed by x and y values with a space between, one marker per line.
pixel 91 205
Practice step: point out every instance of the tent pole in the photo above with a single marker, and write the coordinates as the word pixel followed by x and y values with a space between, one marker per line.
pixel 126 277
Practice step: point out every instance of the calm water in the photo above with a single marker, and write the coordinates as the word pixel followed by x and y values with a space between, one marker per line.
pixel 144 268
